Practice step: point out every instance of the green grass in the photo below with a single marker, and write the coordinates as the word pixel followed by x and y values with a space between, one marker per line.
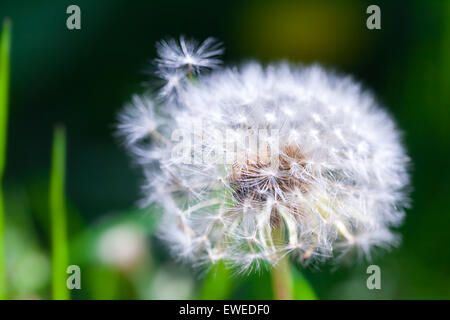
pixel 5 45
pixel 60 254
pixel 218 284
pixel 302 289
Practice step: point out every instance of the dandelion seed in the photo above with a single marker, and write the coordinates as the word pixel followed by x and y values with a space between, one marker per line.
pixel 189 55
pixel 174 81
pixel 138 120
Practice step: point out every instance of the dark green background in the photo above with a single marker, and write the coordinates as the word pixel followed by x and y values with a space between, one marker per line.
pixel 83 78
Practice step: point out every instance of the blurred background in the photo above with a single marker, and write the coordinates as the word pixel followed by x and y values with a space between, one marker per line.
pixel 82 78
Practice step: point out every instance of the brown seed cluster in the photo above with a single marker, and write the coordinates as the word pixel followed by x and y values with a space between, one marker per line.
pixel 257 181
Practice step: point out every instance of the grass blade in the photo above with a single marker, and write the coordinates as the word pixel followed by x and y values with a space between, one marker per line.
pixel 302 289
pixel 5 45
pixel 218 284
pixel 60 255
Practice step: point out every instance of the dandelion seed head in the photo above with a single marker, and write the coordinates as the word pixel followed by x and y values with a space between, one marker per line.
pixel 327 173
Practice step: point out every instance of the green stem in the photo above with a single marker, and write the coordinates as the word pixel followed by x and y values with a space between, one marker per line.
pixel 5 46
pixel 282 280
pixel 58 217
pixel 287 282
pixel 190 76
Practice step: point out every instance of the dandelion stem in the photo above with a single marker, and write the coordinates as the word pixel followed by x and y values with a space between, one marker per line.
pixel 190 72
pixel 5 44
pixel 58 216
pixel 282 280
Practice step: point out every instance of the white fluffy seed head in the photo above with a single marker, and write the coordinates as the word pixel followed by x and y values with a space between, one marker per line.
pixel 250 164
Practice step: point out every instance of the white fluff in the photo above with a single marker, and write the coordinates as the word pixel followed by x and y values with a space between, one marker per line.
pixel 328 174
